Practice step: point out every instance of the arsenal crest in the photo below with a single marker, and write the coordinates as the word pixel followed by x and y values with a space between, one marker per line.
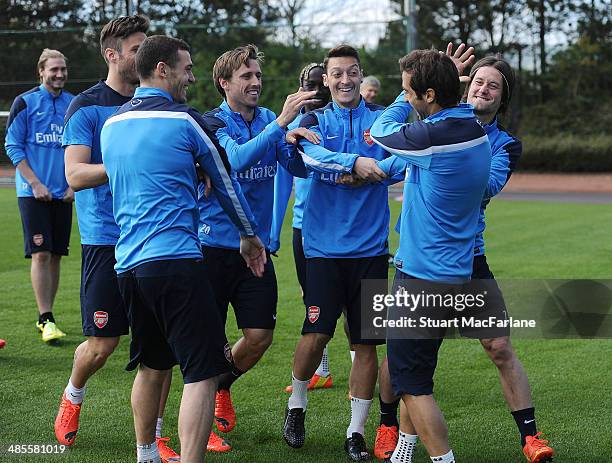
pixel 227 351
pixel 38 239
pixel 100 318
pixel 313 313
pixel 367 137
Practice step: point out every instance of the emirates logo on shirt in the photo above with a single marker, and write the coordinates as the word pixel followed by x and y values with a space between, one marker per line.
pixel 313 313
pixel 100 318
pixel 367 137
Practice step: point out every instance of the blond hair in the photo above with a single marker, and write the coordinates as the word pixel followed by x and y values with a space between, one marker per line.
pixel 231 60
pixel 47 54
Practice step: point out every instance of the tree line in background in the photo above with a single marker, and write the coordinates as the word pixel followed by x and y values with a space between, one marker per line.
pixel 561 49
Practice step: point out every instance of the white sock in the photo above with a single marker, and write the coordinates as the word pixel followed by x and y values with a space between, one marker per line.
pixel 158 426
pixel 404 450
pixel 298 397
pixel 323 368
pixel 352 356
pixel 74 394
pixel 446 458
pixel 148 453
pixel 359 415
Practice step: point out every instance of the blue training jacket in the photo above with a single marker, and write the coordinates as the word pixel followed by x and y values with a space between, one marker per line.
pixel 86 115
pixel 150 148
pixel 450 159
pixel 343 221
pixel 506 151
pixel 34 132
pixel 254 151
pixel 283 185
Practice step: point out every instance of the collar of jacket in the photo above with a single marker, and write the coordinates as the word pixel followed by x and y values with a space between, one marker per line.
pixel 354 112
pixel 237 116
pixel 492 127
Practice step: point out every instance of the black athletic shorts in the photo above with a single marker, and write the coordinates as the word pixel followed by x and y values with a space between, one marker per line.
pixel 413 357
pixel 102 310
pixel 174 319
pixel 253 299
pixel 334 284
pixel 300 260
pixel 46 225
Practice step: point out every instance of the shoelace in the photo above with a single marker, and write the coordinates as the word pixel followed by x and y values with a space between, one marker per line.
pixel 536 441
pixel 68 411
pixel 387 436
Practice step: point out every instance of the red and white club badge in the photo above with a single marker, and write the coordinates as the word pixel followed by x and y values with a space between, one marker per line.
pixel 367 137
pixel 100 318
pixel 313 313
pixel 38 239
pixel 227 351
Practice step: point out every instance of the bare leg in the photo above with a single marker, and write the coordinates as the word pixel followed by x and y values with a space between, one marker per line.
pixel 195 419
pixel 512 375
pixel 364 372
pixel 164 394
pixel 384 383
pixel 406 425
pixel 428 423
pixel 44 273
pixel 146 393
pixel 308 353
pixel 89 357
pixel 251 347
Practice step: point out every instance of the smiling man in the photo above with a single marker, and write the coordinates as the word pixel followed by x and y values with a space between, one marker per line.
pixel 253 138
pixel 34 145
pixel 345 231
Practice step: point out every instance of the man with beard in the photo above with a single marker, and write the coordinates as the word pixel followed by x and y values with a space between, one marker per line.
pixel 152 149
pixel 253 138
pixel 103 313
pixel 34 145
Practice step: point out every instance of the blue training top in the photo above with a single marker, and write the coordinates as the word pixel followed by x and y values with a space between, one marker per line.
pixel 84 120
pixel 506 151
pixel 150 148
pixel 254 151
pixel 34 132
pixel 450 159
pixel 283 184
pixel 342 221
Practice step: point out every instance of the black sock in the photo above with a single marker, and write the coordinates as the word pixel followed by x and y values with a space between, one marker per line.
pixel 227 379
pixel 46 317
pixel 388 412
pixel 525 420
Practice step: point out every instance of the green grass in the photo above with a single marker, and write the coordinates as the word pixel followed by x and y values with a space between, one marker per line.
pixel 570 379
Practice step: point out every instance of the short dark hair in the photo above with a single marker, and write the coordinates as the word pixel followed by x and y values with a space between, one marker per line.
pixel 120 28
pixel 435 70
pixel 339 52
pixel 155 49
pixel 505 70
pixel 231 61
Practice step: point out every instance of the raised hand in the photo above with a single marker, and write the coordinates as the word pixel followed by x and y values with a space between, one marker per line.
pixel 293 104
pixel 461 58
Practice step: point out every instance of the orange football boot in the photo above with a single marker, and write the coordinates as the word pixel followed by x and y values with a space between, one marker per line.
pixel 67 421
pixel 536 450
pixel 225 415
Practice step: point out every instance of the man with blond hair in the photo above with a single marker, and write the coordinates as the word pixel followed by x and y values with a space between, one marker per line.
pixel 34 144
pixel 253 138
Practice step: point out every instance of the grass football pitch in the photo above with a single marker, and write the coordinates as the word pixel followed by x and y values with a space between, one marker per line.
pixel 571 379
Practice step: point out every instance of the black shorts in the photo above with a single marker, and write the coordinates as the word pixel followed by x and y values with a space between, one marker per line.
pixel 300 260
pixel 174 319
pixel 46 225
pixel 334 284
pixel 253 299
pixel 102 310
pixel 413 353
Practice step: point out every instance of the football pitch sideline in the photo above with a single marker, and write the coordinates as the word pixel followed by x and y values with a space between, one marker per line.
pixel 571 380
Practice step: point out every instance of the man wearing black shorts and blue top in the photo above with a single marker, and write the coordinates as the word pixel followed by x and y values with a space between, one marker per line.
pixel 34 145
pixel 345 231
pixel 150 148
pixel 490 91
pixel 438 225
pixel 253 138
pixel 103 313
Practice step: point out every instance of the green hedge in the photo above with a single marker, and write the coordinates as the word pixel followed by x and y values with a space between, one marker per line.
pixel 567 153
